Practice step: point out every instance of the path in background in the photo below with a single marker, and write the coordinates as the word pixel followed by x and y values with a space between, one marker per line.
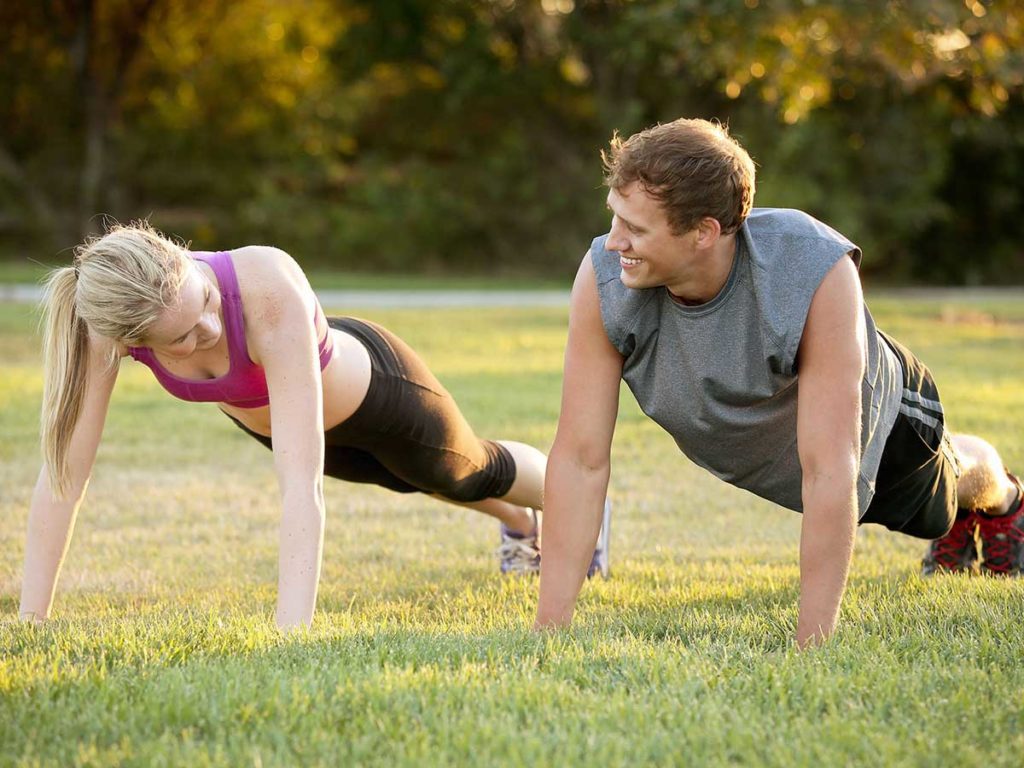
pixel 383 299
pixel 426 298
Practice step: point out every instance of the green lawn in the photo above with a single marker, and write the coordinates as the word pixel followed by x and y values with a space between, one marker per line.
pixel 163 652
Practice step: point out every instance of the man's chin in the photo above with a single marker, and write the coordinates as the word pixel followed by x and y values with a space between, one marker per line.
pixel 634 281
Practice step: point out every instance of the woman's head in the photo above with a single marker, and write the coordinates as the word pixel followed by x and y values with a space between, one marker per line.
pixel 126 278
pixel 120 285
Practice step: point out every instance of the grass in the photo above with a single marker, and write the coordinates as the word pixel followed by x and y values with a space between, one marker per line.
pixel 162 651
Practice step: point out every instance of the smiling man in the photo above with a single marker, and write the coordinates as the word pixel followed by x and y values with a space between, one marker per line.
pixel 743 333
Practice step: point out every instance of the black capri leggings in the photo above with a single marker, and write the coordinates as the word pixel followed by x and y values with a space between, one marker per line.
pixel 408 434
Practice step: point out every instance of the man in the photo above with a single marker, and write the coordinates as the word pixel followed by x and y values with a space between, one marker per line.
pixel 743 333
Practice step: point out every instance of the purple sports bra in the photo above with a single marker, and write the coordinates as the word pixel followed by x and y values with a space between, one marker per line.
pixel 245 383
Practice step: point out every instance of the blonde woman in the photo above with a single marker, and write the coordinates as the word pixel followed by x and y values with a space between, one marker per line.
pixel 242 328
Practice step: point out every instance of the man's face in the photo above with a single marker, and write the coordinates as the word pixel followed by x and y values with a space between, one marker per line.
pixel 650 255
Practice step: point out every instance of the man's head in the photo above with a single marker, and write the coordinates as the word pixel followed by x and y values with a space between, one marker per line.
pixel 692 167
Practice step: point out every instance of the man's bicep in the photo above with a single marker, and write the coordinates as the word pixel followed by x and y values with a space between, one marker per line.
pixel 593 369
pixel 832 354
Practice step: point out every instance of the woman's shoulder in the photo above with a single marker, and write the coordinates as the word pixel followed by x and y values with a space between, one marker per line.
pixel 262 258
pixel 269 281
pixel 264 266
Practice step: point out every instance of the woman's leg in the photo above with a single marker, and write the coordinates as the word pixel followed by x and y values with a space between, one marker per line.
pixel 991 514
pixel 515 517
pixel 414 428
pixel 983 485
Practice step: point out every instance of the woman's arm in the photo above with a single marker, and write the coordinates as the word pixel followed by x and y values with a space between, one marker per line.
pixel 51 519
pixel 279 326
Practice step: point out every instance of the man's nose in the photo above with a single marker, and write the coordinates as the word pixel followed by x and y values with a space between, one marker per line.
pixel 617 241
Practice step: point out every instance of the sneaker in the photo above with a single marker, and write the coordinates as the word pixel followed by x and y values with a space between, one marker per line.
pixel 601 562
pixel 957 550
pixel 1002 539
pixel 519 552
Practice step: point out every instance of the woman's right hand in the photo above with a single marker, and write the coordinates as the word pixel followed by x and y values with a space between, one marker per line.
pixel 51 517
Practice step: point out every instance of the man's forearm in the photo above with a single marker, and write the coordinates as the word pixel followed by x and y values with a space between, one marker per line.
pixel 574 497
pixel 826 547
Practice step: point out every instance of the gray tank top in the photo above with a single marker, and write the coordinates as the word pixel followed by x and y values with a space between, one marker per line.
pixel 721 377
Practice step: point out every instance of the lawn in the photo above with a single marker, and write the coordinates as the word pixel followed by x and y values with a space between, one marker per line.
pixel 163 652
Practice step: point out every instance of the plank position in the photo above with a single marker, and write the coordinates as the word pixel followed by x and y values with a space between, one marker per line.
pixel 743 333
pixel 328 395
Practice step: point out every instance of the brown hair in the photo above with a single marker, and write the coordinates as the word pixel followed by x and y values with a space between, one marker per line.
pixel 693 167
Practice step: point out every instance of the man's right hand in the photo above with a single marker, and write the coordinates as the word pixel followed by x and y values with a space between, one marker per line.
pixel 580 461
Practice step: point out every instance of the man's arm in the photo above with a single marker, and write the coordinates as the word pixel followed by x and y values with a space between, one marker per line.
pixel 580 460
pixel 831 369
pixel 285 341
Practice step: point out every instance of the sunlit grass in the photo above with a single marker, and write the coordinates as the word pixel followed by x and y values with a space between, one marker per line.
pixel 163 652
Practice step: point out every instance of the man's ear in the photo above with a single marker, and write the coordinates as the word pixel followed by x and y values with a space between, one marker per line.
pixel 708 231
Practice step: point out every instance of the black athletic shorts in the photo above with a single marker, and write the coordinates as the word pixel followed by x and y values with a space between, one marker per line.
pixel 408 434
pixel 915 490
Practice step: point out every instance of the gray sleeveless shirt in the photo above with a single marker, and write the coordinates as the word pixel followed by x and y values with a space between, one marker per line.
pixel 721 377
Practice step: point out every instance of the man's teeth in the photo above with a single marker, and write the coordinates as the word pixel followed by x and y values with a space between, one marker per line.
pixel 630 262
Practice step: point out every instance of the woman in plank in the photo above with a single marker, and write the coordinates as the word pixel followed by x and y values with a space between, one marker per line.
pixel 242 328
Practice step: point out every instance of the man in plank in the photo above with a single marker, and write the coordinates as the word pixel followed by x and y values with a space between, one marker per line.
pixel 743 333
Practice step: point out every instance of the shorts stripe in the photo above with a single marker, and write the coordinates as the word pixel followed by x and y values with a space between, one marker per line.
pixel 916 413
pixel 910 395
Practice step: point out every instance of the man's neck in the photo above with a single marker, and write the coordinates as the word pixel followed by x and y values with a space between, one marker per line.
pixel 709 274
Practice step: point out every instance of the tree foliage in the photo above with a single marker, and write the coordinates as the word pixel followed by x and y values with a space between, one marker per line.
pixel 464 134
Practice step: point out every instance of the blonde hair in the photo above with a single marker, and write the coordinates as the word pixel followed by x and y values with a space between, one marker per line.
pixel 117 288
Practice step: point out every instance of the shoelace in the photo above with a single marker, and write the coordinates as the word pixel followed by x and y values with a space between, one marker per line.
pixel 999 534
pixel 520 554
pixel 950 549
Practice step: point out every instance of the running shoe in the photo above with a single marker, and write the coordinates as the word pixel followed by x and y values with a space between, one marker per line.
pixel 601 561
pixel 1002 538
pixel 957 550
pixel 519 552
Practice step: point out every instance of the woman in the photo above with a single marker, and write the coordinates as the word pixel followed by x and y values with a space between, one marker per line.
pixel 244 329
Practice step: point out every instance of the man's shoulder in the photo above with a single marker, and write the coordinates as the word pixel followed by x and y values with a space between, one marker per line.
pixel 790 224
pixel 605 262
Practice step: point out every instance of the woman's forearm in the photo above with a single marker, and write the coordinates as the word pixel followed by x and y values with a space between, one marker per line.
pixel 299 559
pixel 50 524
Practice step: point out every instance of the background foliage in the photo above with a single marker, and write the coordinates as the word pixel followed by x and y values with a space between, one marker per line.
pixel 463 135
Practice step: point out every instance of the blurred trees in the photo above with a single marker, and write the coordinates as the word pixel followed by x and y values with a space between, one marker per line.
pixel 464 134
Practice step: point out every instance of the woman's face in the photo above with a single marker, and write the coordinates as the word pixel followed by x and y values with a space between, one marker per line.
pixel 193 323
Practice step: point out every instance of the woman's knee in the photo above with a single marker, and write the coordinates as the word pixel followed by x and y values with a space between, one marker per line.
pixel 973 450
pixel 983 483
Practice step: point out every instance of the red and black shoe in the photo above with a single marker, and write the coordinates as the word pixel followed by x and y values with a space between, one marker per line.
pixel 1002 538
pixel 957 550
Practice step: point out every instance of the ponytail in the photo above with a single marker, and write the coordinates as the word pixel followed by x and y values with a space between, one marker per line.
pixel 119 285
pixel 65 368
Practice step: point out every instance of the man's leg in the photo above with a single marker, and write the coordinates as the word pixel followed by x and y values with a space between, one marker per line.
pixel 991 509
